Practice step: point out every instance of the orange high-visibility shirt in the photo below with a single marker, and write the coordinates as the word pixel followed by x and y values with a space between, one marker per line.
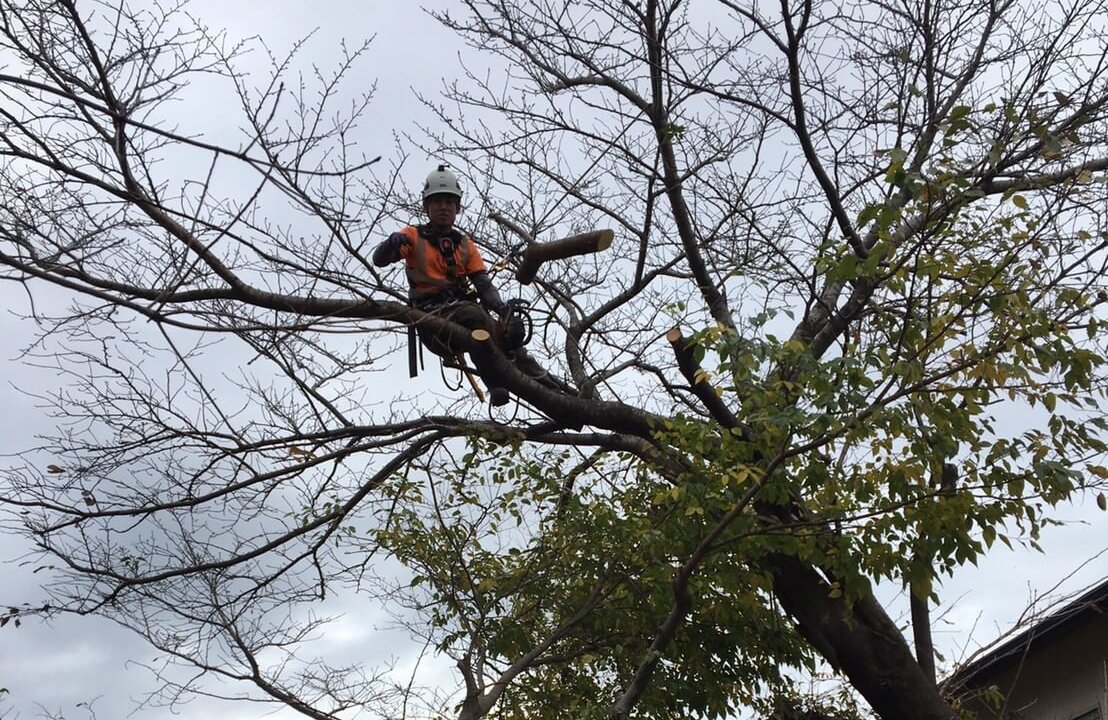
pixel 427 268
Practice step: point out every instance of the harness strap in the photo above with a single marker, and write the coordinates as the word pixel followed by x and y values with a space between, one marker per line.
pixel 413 352
pixel 446 248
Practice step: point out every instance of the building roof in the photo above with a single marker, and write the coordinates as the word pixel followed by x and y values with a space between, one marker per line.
pixel 1073 614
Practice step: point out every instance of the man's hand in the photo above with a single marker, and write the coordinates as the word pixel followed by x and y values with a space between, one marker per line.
pixel 389 251
pixel 396 240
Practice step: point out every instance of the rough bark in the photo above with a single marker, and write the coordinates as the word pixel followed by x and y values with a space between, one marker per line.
pixel 859 639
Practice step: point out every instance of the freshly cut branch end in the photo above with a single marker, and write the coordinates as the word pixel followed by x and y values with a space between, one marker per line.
pixel 582 244
pixel 698 380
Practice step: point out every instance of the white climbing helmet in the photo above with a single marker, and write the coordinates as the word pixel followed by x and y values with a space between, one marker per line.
pixel 442 182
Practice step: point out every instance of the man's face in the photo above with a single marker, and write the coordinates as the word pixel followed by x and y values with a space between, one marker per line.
pixel 441 210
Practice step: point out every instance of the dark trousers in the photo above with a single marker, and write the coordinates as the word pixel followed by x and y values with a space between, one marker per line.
pixel 467 314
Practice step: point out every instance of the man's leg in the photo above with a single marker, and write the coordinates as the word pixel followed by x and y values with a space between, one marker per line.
pixel 468 315
pixel 529 366
pixel 472 316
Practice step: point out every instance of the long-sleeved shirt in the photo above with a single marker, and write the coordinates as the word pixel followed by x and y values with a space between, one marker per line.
pixel 438 266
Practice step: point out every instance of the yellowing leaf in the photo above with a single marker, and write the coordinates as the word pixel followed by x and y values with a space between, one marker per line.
pixel 1019 201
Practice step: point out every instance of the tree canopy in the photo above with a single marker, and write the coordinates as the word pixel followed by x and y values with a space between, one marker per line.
pixel 852 242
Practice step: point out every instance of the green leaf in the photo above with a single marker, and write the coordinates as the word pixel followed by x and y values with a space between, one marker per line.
pixel 869 212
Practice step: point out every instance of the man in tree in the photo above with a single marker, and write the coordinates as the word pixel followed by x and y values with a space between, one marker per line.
pixel 446 276
pixel 919 187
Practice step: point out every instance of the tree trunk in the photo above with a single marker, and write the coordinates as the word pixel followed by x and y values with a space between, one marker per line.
pixel 861 641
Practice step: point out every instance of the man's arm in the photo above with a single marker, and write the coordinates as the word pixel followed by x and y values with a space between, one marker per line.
pixel 388 251
pixel 477 273
pixel 487 293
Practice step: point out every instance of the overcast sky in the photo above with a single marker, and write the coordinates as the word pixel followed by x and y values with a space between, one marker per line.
pixel 77 660
pixel 81 659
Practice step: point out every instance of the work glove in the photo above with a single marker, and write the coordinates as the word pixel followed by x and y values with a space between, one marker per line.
pixel 388 252
pixel 396 240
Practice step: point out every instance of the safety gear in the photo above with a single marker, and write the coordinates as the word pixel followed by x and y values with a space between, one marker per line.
pixel 389 251
pixel 396 240
pixel 438 264
pixel 514 328
pixel 442 182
